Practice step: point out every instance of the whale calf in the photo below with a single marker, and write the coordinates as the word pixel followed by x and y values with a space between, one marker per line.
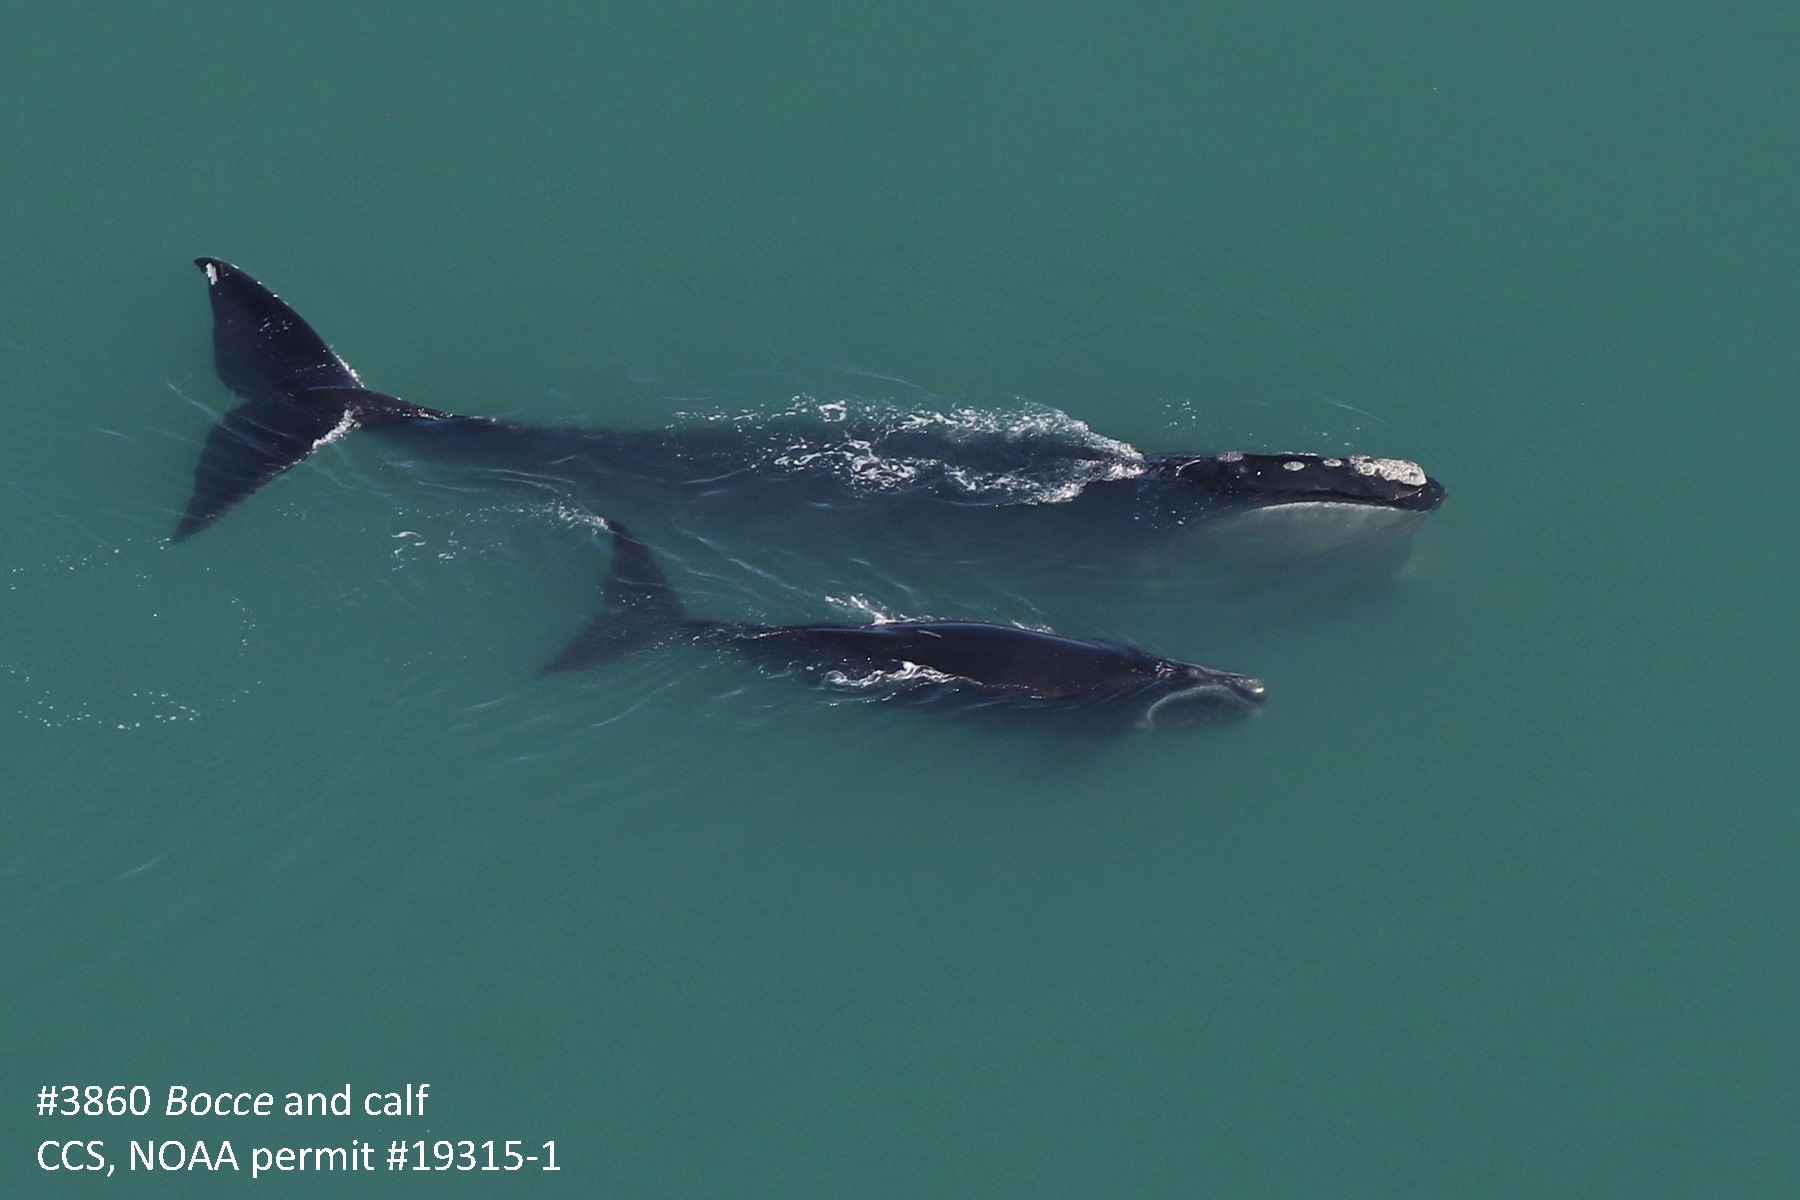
pixel 966 661
pixel 297 394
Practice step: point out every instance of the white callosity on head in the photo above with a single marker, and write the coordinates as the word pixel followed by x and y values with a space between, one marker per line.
pixel 1394 470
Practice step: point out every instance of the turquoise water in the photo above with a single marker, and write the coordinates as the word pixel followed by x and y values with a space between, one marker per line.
pixel 1495 898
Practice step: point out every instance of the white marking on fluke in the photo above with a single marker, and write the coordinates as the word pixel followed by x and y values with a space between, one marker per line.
pixel 345 424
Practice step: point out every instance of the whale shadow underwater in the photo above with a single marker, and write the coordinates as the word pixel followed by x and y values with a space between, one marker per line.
pixel 965 664
pixel 955 490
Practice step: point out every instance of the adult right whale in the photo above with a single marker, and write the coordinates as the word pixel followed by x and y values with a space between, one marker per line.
pixel 297 394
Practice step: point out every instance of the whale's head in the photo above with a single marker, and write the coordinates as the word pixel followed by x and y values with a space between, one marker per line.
pixel 1193 693
pixel 1237 478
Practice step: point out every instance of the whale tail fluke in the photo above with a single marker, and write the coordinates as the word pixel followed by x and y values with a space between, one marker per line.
pixel 261 346
pixel 298 395
pixel 251 444
pixel 641 609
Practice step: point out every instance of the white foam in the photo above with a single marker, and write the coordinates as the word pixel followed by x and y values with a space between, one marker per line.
pixel 345 424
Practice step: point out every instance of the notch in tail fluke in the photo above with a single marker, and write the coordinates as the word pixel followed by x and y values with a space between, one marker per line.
pixel 298 395
pixel 641 608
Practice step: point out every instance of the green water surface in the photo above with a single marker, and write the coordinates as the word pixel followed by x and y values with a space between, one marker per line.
pixel 1498 896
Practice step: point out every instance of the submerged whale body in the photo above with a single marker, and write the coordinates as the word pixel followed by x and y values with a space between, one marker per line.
pixel 297 395
pixel 966 661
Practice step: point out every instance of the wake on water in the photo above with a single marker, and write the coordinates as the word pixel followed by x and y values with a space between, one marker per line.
pixel 1030 455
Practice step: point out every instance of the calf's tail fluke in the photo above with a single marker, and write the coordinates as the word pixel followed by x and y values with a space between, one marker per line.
pixel 641 608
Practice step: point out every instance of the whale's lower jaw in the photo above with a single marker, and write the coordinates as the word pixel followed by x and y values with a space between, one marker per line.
pixel 1320 524
pixel 1305 531
pixel 1204 703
